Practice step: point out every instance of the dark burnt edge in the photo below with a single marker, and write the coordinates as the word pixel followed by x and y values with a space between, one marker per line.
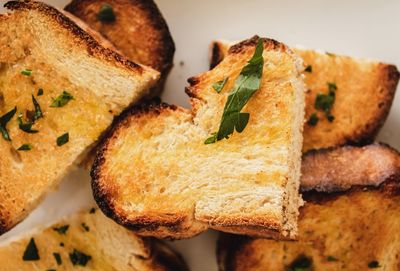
pixel 167 257
pixel 93 47
pixel 216 55
pixel 101 197
pixel 228 246
pixel 167 49
pixel 4 226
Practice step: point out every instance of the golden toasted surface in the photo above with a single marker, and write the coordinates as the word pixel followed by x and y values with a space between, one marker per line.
pixel 365 91
pixel 139 30
pixel 351 229
pixel 154 174
pixel 100 243
pixel 34 40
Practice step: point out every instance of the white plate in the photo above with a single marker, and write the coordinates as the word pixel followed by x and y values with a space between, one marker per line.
pixel 357 28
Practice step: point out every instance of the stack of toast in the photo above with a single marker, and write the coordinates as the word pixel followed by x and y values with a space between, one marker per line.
pixel 278 144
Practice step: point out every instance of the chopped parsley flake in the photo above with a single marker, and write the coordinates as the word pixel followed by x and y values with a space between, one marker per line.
pixel 3 123
pixel 26 127
pixel 85 227
pixel 62 100
pixel 25 147
pixel 57 257
pixel 63 139
pixel 218 86
pixel 313 120
pixel 38 111
pixel 106 14
pixel 40 92
pixel 79 258
pixel 31 252
pixel 308 69
pixel 324 102
pixel 373 264
pixel 62 229
pixel 26 72
pixel 331 259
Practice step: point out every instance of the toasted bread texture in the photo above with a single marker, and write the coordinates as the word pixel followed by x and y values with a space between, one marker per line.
pixel 88 240
pixel 139 31
pixel 351 226
pixel 364 95
pixel 42 49
pixel 154 174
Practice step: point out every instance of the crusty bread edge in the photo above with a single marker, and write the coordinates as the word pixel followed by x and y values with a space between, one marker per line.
pixel 92 46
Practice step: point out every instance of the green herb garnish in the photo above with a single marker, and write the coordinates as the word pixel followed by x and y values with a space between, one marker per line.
pixel 57 257
pixel 308 69
pixel 313 120
pixel 331 259
pixel 63 139
pixel 301 263
pixel 330 54
pixel 38 111
pixel 92 211
pixel 79 258
pixel 62 229
pixel 40 92
pixel 247 83
pixel 85 227
pixel 3 123
pixel 26 127
pixel 31 252
pixel 25 147
pixel 62 100
pixel 218 86
pixel 325 102
pixel 373 264
pixel 26 72
pixel 106 14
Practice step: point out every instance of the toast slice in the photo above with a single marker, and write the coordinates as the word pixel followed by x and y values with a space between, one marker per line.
pixel 138 30
pixel 363 94
pixel 350 220
pixel 52 76
pixel 155 175
pixel 87 240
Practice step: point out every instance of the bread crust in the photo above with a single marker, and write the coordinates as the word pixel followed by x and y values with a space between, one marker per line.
pixel 175 225
pixel 236 253
pixel 156 39
pixel 93 47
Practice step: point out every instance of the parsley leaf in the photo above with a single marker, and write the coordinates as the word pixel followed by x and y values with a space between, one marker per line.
pixel 325 102
pixel 38 111
pixel 247 83
pixel 26 127
pixel 79 258
pixel 331 259
pixel 308 69
pixel 57 257
pixel 63 139
pixel 31 252
pixel 218 86
pixel 301 263
pixel 26 72
pixel 106 14
pixel 373 264
pixel 40 92
pixel 62 229
pixel 3 123
pixel 85 227
pixel 25 147
pixel 313 120
pixel 62 100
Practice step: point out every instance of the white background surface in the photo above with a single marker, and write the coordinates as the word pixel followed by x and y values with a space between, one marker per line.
pixel 358 28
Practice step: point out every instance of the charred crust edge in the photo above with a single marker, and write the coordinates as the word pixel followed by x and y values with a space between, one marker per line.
pixel 216 55
pixel 166 49
pixel 93 47
pixel 103 198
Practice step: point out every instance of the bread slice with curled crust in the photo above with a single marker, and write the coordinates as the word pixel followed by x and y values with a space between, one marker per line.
pixel 154 174
pixel 350 219
pixel 109 246
pixel 61 57
pixel 363 99
pixel 139 31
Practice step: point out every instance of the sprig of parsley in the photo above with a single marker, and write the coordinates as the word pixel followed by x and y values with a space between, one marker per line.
pixel 246 84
